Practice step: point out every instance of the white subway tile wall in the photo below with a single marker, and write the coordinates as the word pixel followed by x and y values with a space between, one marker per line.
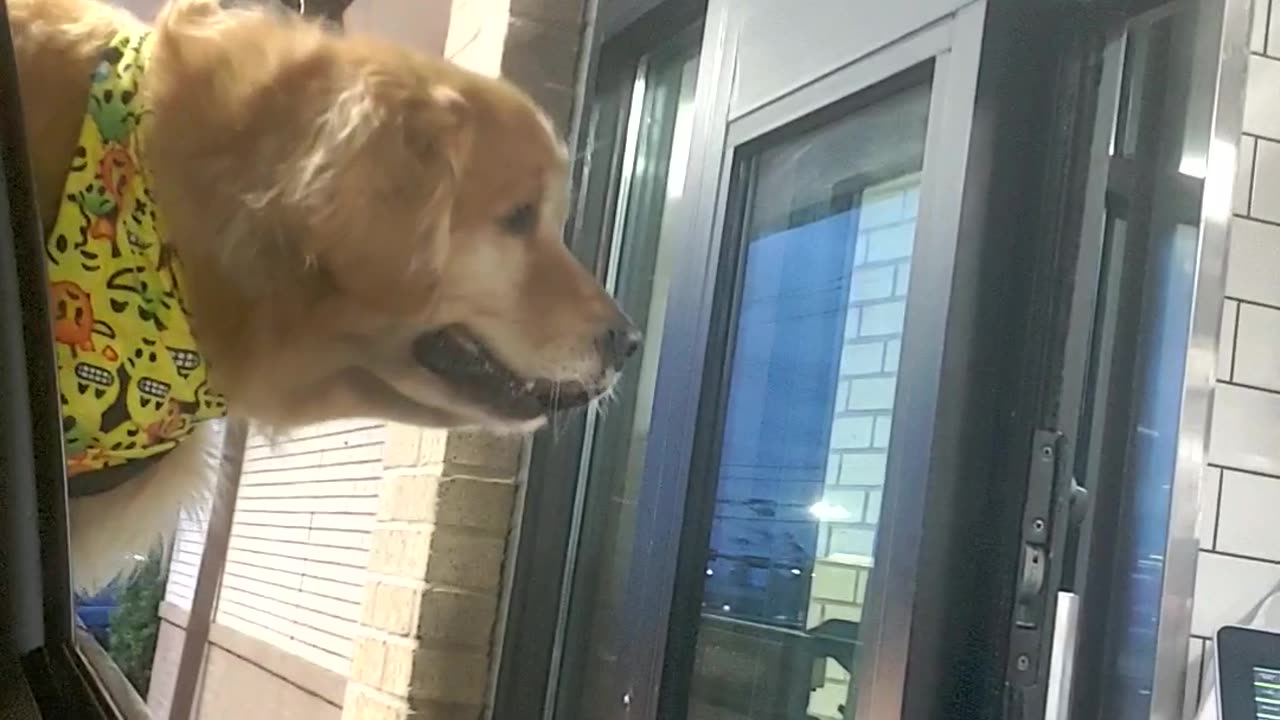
pixel 1240 544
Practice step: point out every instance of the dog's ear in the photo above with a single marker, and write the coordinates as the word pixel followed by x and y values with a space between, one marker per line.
pixel 376 185
pixel 329 159
pixel 231 53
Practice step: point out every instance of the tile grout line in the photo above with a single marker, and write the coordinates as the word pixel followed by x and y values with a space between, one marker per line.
pixel 1244 471
pixel 1235 345
pixel 1217 509
pixel 1238 556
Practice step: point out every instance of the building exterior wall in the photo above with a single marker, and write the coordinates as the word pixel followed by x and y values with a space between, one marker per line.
pixel 299 544
pixel 295 572
pixel 244 677
pixel 1240 541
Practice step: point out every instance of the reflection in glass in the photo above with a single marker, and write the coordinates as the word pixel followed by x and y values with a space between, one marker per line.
pixel 645 247
pixel 1151 455
pixel 829 229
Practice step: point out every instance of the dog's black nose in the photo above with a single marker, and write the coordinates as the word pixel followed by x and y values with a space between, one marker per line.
pixel 619 343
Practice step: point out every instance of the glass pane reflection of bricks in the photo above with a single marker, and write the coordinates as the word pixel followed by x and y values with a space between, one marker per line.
pixel 808 422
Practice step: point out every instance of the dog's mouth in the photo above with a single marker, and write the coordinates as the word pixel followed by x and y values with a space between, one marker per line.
pixel 472 370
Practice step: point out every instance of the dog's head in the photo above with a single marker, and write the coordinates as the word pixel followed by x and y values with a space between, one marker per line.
pixel 370 232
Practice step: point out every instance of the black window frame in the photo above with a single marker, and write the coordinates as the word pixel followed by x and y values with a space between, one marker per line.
pixel 616 41
pixel 1038 181
pixel 47 670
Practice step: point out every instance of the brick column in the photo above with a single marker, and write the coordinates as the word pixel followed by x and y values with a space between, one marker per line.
pixel 435 575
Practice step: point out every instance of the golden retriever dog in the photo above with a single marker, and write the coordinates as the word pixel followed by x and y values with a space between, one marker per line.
pixel 348 228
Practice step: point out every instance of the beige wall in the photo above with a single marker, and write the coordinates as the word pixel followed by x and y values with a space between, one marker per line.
pixel 244 678
pixel 418 24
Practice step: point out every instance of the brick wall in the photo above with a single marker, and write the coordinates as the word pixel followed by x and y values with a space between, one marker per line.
pixel 1240 541
pixel 435 576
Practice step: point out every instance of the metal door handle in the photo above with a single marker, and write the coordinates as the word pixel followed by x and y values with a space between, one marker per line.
pixel 1062 657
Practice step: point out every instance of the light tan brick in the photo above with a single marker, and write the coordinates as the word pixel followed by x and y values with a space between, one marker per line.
pixel 457 618
pixel 434 444
pixel 412 447
pixel 402 552
pixel 368 657
pixel 408 497
pixel 423 709
pixel 475 503
pixel 453 676
pixel 483 454
pixel 403 446
pixel 465 561
pixel 397 672
pixel 360 704
pixel 393 609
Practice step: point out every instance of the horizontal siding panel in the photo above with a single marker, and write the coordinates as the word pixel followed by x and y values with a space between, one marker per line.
pixel 237 556
pixel 186 555
pixel 334 505
pixel 319 430
pixel 313 645
pixel 184 558
pixel 296 536
pixel 340 471
pixel 327 627
pixel 341 610
pixel 180 596
pixel 314 489
pixel 266 597
pixel 299 547
pixel 271 532
pixel 304 445
pixel 270 575
pixel 367 451
pixel 351 592
pixel 340 506
pixel 184 572
pixel 349 539
pixel 326 521
pixel 354 576
pixel 336 573
pixel 341 539
pixel 189 535
pixel 331 661
pixel 303 551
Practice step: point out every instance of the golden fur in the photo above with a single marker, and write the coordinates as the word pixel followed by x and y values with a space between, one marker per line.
pixel 335 200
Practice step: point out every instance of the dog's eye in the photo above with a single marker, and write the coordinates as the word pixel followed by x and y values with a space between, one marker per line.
pixel 521 220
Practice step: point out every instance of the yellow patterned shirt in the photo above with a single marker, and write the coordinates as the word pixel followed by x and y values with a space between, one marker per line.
pixel 133 384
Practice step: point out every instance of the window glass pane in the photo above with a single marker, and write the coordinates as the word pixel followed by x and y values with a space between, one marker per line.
pixel 829 228
pixel 645 248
